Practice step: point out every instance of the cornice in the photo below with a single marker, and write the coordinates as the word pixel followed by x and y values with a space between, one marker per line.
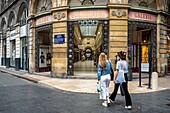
pixel 59 8
pixel 118 6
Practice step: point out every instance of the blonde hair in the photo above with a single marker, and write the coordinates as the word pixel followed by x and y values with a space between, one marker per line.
pixel 102 60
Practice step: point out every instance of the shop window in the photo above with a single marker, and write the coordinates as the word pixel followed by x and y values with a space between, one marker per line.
pixel 145 46
pixel 13 53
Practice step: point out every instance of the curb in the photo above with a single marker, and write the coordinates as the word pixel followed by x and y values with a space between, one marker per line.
pixel 14 74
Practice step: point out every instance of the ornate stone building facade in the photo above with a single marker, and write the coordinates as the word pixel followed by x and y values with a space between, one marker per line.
pixel 13 32
pixel 62 32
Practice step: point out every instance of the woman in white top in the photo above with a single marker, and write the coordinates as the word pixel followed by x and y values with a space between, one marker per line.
pixel 122 65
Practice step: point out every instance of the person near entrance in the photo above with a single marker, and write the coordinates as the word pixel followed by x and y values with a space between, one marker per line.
pixel 122 65
pixel 104 77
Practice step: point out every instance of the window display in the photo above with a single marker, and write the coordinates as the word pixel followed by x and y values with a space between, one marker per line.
pixel 13 53
pixel 44 56
pixel 145 53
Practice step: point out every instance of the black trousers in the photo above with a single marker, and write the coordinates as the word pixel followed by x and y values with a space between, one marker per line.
pixel 125 87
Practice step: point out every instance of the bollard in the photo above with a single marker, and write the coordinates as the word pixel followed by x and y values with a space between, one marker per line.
pixel 154 81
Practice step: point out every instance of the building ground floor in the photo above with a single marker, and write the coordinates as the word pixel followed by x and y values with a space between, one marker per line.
pixel 71 46
pixel 81 46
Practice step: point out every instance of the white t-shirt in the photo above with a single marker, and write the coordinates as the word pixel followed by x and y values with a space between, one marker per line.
pixel 122 65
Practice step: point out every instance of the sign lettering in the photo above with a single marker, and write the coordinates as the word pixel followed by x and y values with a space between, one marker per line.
pixel 44 20
pixel 142 16
pixel 59 39
pixel 81 14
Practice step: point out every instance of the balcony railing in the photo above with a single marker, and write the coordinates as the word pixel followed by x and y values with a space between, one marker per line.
pixel 3 34
pixel 23 22
pixel 12 28
pixel 6 4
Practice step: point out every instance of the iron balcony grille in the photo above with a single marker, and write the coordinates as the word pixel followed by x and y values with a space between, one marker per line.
pixel 3 34
pixel 12 28
pixel 23 22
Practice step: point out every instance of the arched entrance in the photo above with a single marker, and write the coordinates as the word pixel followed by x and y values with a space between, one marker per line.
pixel 90 42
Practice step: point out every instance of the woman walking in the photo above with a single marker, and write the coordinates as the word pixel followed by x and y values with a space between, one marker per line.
pixel 104 77
pixel 122 65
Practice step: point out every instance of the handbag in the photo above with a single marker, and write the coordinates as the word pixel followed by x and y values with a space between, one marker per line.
pixel 112 72
pixel 99 88
pixel 120 78
pixel 122 92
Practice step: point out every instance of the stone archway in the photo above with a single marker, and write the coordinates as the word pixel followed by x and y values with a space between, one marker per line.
pixel 70 44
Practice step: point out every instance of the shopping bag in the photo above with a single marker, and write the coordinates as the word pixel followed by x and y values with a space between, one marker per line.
pixel 122 92
pixel 120 77
pixel 99 89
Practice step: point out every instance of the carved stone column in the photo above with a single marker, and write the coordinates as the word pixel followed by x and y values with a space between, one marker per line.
pixel 8 48
pixel 1 48
pixel 118 29
pixel 31 44
pixel 17 45
pixel 59 60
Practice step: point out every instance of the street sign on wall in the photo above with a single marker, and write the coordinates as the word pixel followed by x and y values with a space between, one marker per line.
pixel 59 39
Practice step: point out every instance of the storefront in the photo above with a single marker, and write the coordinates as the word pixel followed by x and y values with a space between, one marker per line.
pixel 3 59
pixel 142 32
pixel 12 47
pixel 23 45
pixel 43 44
pixel 88 28
pixel 168 46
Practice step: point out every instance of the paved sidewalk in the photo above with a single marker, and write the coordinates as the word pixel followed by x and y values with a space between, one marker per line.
pixel 84 85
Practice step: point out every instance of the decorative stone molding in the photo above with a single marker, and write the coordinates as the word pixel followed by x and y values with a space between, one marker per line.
pixel 119 13
pixel 59 16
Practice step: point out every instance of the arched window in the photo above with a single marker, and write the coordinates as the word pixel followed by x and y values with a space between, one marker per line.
pixel 11 19
pixel 24 14
pixel 169 8
pixel 43 6
pixel 87 2
pixel 3 24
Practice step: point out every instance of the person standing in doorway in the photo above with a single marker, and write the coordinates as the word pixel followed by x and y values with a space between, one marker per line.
pixel 122 65
pixel 104 77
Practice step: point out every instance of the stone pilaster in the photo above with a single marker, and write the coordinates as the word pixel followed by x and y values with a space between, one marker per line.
pixel 118 29
pixel 0 48
pixel 31 45
pixel 17 45
pixel 161 45
pixel 8 48
pixel 59 60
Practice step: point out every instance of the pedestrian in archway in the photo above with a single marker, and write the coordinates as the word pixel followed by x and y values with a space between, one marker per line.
pixel 121 66
pixel 104 77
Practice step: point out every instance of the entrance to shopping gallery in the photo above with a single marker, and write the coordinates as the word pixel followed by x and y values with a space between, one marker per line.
pixel 86 40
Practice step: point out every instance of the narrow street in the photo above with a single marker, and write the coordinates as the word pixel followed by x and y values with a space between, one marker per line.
pixel 20 96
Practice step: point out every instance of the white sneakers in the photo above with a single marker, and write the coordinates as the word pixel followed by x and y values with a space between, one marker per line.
pixel 128 107
pixel 104 104
pixel 107 103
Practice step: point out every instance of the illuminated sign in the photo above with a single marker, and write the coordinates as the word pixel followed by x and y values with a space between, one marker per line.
pixel 84 14
pixel 44 20
pixel 142 16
